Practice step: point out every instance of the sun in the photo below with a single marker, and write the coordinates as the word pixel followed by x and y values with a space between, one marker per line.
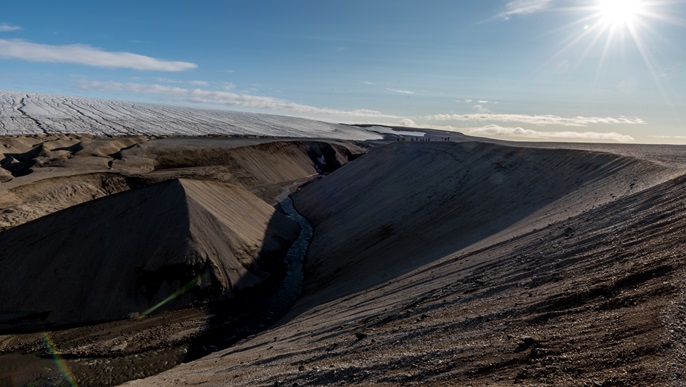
pixel 619 13
pixel 621 36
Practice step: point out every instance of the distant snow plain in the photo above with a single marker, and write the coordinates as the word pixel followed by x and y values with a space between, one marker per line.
pixel 30 113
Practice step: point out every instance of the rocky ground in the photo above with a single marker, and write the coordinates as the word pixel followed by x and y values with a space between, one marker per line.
pixel 591 296
pixel 571 273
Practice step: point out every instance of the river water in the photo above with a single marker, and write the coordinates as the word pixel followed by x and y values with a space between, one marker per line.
pixel 291 288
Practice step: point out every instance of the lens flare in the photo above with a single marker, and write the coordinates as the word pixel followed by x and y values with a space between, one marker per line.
pixel 62 365
pixel 195 282
pixel 618 31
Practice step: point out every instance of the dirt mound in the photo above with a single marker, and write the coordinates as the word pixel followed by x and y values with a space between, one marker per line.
pixel 406 205
pixel 479 265
pixel 125 253
pixel 597 299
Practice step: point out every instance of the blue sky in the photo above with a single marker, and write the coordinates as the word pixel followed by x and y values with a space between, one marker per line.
pixel 588 70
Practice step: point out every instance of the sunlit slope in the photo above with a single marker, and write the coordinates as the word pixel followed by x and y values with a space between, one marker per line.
pixel 409 204
pixel 30 113
pixel 125 253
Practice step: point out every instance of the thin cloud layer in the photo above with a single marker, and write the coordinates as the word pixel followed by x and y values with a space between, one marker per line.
pixel 539 120
pixel 85 55
pixel 4 27
pixel 523 7
pixel 479 108
pixel 496 130
pixel 408 92
pixel 227 98
pixel 670 137
pixel 192 83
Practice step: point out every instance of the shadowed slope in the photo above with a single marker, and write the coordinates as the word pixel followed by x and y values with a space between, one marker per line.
pixel 125 253
pixel 405 205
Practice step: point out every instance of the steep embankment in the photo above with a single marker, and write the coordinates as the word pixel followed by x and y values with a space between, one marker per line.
pixel 409 204
pixel 122 254
pixel 573 276
pixel 261 167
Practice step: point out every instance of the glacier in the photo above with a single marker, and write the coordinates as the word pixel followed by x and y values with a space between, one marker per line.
pixel 32 113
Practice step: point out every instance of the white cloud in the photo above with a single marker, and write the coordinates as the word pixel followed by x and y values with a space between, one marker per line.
pixel 227 98
pixel 480 101
pixel 537 119
pixel 408 122
pixel 228 86
pixel 523 7
pixel 496 130
pixel 178 82
pixel 85 55
pixel 4 27
pixel 480 109
pixel 199 83
pixel 408 92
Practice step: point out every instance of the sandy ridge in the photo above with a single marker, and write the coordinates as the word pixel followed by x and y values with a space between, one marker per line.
pixel 105 259
pixel 584 297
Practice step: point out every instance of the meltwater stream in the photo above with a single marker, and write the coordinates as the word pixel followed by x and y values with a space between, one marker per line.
pixel 269 308
pixel 290 289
